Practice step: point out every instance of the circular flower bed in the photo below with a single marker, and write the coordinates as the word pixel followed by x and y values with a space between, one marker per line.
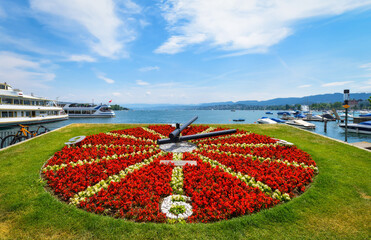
pixel 120 174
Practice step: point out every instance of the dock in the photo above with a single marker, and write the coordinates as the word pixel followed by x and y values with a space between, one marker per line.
pixel 365 145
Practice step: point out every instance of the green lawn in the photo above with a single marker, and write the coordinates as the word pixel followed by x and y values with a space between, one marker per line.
pixel 336 206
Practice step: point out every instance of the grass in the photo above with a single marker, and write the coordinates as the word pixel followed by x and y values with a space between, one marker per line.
pixel 336 206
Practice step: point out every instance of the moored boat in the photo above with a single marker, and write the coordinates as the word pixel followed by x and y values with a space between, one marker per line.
pixel 363 127
pixel 18 108
pixel 265 120
pixel 278 120
pixel 301 124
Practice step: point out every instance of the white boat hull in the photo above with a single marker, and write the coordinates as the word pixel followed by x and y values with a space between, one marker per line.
pixel 266 121
pixel 6 122
pixel 357 128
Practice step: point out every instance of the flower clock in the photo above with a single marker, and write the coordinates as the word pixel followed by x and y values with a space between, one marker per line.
pixel 122 174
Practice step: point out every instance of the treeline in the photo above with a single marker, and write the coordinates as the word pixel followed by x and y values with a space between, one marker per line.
pixel 315 106
pixel 116 107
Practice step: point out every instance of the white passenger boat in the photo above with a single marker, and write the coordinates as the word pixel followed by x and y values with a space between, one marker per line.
pixel 363 127
pixel 88 110
pixel 301 124
pixel 18 108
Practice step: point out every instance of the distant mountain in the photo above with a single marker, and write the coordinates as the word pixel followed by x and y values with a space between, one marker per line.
pixel 322 98
pixel 307 100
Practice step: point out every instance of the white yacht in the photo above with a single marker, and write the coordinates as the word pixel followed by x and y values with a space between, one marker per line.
pixel 18 108
pixel 88 110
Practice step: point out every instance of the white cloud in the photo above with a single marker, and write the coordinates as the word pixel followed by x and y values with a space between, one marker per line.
pixel 23 72
pixel 117 94
pixel 305 86
pixel 241 25
pixel 367 66
pixel 333 84
pixel 148 93
pixel 81 58
pixel 106 79
pixel 149 68
pixel 142 83
pixel 132 7
pixel 107 33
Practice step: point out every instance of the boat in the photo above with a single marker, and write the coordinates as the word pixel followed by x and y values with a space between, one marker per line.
pixel 300 115
pixel 18 108
pixel 265 120
pixel 268 113
pixel 284 113
pixel 328 117
pixel 239 120
pixel 343 115
pixel 316 117
pixel 365 115
pixel 79 110
pixel 278 120
pixel 301 124
pixel 363 127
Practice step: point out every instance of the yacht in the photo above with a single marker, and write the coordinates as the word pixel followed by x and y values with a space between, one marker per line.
pixel 363 127
pixel 18 108
pixel 88 110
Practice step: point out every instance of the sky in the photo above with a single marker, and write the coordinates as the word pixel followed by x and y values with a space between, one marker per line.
pixel 184 51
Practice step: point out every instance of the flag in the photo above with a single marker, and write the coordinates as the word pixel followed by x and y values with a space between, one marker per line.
pixel 110 101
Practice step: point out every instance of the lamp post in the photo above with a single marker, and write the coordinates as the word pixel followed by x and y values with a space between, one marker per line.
pixel 346 106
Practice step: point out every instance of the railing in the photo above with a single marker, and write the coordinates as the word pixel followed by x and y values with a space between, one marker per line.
pixel 3 134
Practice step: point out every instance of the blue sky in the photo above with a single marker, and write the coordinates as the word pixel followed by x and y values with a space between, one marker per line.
pixel 185 51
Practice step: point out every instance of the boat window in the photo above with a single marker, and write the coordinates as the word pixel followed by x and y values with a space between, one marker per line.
pixel 10 114
pixel 4 114
pixel 2 86
pixel 85 112
pixel 7 101
pixel 28 113
pixel 16 101
pixel 105 109
pixel 26 102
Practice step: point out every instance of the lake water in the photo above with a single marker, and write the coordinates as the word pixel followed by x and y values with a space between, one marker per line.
pixel 205 117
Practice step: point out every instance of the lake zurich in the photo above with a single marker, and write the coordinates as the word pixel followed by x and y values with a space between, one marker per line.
pixel 204 117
